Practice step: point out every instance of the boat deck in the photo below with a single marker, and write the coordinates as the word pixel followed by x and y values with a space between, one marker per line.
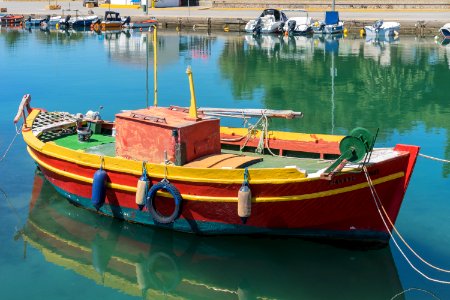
pixel 104 145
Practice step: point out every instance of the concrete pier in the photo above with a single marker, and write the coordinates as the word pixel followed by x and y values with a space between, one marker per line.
pixel 423 21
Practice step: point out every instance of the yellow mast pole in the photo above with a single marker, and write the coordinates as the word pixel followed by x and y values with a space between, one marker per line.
pixel 193 107
pixel 155 67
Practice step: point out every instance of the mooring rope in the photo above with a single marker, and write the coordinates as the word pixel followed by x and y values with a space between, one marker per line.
pixel 380 208
pixel 11 206
pixel 10 144
pixel 415 289
pixel 434 158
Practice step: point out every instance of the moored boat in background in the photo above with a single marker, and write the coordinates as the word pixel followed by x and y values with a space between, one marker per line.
pixel 111 21
pixel 34 22
pixel 141 25
pixel 331 25
pixel 381 28
pixel 270 21
pixel 445 31
pixel 83 21
pixel 299 25
pixel 50 22
pixel 11 20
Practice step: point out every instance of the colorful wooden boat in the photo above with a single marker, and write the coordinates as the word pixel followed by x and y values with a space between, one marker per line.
pixel 112 21
pixel 152 264
pixel 143 25
pixel 176 168
pixel 11 20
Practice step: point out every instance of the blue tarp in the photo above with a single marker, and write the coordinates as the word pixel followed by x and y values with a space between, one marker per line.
pixel 331 17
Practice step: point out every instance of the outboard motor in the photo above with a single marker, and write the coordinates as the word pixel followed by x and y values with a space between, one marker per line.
pixel 258 27
pixel 291 26
pixel 65 24
pixel 280 27
pixel 378 25
pixel 44 23
pixel 126 21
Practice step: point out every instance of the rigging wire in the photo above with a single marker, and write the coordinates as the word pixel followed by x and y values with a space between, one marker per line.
pixel 380 207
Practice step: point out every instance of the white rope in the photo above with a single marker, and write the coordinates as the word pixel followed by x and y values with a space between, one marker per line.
pixel 401 237
pixel 10 144
pixel 378 205
pixel 434 158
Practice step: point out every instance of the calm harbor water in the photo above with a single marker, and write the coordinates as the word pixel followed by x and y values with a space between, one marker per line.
pixel 50 249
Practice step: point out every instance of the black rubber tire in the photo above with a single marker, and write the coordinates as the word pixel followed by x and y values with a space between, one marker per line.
pixel 150 204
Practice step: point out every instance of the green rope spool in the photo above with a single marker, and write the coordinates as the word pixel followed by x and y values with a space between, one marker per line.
pixel 364 135
pixel 352 148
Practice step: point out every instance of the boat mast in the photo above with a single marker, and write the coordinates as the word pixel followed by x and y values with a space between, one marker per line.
pixel 146 73
pixel 155 67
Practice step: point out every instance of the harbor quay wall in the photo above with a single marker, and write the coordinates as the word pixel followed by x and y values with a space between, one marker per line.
pixel 308 4
pixel 421 22
pixel 418 28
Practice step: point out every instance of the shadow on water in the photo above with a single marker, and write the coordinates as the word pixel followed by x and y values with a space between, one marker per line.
pixel 149 263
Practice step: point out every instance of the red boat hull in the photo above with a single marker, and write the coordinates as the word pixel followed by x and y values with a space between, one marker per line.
pixel 340 208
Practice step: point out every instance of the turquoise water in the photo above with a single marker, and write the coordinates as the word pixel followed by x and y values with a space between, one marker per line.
pixel 52 250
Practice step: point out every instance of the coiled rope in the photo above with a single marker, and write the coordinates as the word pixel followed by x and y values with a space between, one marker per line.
pixel 382 211
pixel 10 144
pixel 434 158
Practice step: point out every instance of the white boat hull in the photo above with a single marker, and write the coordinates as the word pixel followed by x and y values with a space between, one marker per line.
pixel 386 29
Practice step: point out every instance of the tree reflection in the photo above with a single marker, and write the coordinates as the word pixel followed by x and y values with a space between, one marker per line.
pixel 382 84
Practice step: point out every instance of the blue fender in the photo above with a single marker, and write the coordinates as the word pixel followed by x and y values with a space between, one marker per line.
pixel 99 188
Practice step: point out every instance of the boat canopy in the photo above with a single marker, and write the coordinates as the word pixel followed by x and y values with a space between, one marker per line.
pixel 278 15
pixel 331 17
pixel 112 16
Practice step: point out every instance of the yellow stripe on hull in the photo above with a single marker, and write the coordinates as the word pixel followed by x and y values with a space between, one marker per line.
pixel 226 199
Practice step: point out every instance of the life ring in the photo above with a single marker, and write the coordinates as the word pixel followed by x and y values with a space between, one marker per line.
pixel 140 29
pixel 150 204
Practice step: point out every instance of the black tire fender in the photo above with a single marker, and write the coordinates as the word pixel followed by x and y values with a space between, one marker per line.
pixel 150 202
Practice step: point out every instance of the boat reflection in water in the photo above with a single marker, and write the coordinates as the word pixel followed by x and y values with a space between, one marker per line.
pixel 149 263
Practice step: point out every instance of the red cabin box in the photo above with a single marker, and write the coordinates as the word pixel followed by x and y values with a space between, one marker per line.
pixel 147 134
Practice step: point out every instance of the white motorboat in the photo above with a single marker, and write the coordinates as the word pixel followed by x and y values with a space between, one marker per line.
pixel 299 25
pixel 382 28
pixel 331 25
pixel 270 21
pixel 445 31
